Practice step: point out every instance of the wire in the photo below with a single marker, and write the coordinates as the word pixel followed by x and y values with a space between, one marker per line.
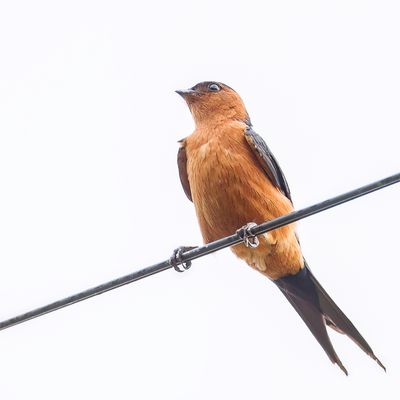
pixel 201 251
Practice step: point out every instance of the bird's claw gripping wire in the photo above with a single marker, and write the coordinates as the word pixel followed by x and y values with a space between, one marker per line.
pixel 249 239
pixel 176 259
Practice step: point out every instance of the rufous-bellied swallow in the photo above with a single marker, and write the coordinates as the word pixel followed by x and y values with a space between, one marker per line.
pixel 231 176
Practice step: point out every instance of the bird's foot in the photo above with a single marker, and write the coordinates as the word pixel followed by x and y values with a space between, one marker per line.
pixel 248 238
pixel 176 259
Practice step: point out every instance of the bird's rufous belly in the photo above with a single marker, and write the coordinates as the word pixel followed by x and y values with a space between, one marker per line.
pixel 230 189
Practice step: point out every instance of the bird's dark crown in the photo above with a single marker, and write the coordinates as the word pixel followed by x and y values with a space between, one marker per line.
pixel 204 86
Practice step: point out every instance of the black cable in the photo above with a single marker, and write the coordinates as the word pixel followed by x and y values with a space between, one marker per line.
pixel 202 250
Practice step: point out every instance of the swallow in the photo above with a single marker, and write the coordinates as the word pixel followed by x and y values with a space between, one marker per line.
pixel 231 176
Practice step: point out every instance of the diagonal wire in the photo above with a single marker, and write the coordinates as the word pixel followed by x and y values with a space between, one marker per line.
pixel 202 250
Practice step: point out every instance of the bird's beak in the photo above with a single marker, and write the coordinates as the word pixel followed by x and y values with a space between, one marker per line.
pixel 185 93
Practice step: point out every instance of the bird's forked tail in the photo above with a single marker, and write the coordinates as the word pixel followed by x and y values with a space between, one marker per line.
pixel 318 310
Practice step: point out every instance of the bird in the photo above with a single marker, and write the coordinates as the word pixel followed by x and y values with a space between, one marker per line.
pixel 234 181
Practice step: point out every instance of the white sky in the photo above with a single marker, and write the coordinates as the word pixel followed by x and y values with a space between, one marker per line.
pixel 89 191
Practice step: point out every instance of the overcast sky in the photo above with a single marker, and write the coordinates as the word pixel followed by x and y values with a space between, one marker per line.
pixel 90 191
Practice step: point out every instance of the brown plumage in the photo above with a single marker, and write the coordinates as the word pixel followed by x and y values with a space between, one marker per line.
pixel 231 176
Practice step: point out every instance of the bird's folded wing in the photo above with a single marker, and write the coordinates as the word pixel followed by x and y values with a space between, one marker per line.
pixel 268 161
pixel 182 166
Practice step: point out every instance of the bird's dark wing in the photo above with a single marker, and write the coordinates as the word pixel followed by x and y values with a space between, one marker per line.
pixel 268 161
pixel 182 166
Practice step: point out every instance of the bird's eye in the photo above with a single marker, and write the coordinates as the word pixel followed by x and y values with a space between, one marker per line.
pixel 213 87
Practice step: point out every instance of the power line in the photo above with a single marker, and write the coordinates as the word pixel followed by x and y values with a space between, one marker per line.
pixel 201 251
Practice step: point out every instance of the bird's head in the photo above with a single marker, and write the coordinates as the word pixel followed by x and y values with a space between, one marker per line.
pixel 214 102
